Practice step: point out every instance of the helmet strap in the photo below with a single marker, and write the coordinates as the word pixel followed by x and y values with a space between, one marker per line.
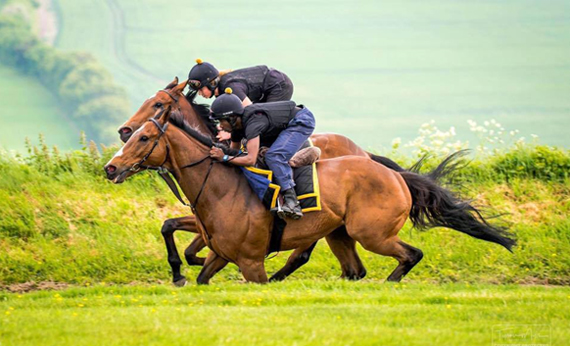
pixel 213 85
pixel 232 120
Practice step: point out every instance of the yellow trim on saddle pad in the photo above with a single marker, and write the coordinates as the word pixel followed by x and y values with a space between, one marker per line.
pixel 269 175
pixel 316 194
pixel 276 188
pixel 316 188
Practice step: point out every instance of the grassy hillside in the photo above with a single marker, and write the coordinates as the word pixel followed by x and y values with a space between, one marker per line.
pixel 290 313
pixel 63 221
pixel 28 108
pixel 85 91
pixel 366 69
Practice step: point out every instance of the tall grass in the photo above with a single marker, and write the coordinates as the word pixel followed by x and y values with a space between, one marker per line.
pixel 62 221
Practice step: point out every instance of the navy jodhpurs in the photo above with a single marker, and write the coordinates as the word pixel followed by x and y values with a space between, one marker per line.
pixel 286 145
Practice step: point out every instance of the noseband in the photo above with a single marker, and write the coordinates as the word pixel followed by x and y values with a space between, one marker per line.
pixel 137 166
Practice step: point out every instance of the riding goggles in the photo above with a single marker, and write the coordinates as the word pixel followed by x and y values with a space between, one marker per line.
pixel 195 84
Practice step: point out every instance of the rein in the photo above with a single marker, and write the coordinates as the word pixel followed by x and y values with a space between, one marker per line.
pixel 165 174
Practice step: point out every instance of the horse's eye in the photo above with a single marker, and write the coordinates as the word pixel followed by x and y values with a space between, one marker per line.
pixel 144 138
pixel 157 105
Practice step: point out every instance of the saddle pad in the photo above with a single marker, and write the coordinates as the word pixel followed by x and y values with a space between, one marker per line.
pixel 306 186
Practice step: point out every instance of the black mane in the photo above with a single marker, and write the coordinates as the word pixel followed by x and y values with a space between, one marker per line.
pixel 183 125
pixel 203 111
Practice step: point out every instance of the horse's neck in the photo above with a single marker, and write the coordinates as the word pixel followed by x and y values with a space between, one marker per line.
pixel 193 118
pixel 224 188
pixel 185 151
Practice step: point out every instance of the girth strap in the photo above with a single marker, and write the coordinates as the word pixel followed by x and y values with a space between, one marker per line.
pixel 276 235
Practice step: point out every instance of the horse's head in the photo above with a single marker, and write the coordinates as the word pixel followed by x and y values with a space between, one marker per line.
pixel 163 98
pixel 146 148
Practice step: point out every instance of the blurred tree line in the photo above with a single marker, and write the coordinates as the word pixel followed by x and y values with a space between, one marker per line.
pixel 83 86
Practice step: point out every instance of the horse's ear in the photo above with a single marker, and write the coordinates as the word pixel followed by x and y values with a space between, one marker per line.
pixel 172 84
pixel 180 87
pixel 163 115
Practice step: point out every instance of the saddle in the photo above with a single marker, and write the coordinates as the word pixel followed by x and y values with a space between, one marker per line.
pixel 306 186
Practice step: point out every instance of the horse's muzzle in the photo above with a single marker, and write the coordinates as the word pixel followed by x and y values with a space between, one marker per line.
pixel 125 133
pixel 115 175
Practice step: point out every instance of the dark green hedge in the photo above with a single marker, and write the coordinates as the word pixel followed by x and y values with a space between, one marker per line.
pixel 83 86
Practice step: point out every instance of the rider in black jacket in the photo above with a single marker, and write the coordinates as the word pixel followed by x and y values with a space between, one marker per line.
pixel 257 84
pixel 282 126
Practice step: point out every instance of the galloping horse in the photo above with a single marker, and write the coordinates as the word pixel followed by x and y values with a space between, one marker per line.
pixel 367 201
pixel 331 145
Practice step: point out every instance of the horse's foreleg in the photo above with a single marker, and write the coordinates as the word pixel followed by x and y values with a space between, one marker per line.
pixel 187 223
pixel 195 246
pixel 213 264
pixel 298 258
pixel 344 249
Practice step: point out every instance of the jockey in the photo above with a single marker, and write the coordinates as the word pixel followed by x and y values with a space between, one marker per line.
pixel 256 84
pixel 282 126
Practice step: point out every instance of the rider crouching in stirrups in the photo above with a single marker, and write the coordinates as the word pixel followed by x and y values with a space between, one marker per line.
pixel 257 84
pixel 282 126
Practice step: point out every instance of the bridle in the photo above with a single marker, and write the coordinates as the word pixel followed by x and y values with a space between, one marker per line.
pixel 173 97
pixel 138 165
pixel 163 171
pixel 165 174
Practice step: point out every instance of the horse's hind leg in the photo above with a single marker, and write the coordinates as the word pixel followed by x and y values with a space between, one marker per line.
pixel 344 248
pixel 407 255
pixel 297 259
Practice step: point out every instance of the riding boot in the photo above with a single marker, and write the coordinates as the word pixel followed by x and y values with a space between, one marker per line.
pixel 291 206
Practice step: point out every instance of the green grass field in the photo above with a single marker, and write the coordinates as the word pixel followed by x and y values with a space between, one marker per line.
pixel 64 226
pixel 28 109
pixel 315 312
pixel 370 70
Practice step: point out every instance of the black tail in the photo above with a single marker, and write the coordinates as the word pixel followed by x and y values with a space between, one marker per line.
pixel 435 206
pixel 386 162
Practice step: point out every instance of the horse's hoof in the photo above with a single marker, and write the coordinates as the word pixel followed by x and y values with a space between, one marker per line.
pixel 180 282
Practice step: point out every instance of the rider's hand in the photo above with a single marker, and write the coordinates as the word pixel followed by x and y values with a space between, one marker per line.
pixel 223 135
pixel 216 153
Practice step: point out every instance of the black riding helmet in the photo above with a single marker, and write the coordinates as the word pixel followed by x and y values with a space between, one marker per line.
pixel 202 74
pixel 225 106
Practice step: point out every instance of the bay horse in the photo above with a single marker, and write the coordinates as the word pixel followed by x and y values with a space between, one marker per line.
pixel 197 116
pixel 368 201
